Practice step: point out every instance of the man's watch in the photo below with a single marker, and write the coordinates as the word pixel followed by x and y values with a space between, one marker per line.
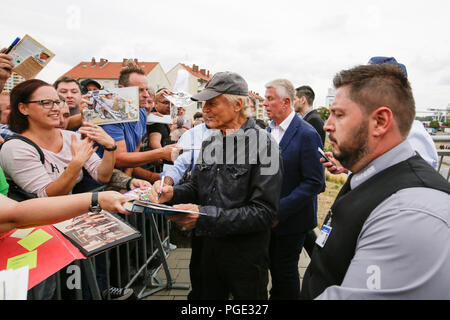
pixel 129 184
pixel 111 149
pixel 95 207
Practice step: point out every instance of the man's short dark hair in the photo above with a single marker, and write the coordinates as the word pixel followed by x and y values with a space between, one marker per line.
pixel 65 79
pixel 307 92
pixel 198 115
pixel 124 77
pixel 377 85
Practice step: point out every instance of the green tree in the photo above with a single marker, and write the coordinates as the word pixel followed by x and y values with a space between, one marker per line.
pixel 425 118
pixel 434 124
pixel 324 113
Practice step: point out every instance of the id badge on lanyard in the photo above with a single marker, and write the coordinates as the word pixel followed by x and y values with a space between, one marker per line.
pixel 324 233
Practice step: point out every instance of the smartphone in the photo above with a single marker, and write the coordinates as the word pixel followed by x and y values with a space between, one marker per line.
pixel 323 155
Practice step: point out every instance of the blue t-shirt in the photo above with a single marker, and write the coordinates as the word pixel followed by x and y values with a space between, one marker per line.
pixel 131 132
pixel 5 132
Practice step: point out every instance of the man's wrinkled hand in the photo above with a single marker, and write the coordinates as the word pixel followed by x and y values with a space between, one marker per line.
pixel 166 193
pixel 188 221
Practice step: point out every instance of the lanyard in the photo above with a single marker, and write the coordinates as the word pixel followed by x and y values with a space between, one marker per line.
pixel 328 218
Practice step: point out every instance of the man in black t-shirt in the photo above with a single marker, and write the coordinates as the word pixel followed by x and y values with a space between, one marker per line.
pixel 159 133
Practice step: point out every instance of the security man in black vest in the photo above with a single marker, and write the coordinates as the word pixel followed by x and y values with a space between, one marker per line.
pixel 380 240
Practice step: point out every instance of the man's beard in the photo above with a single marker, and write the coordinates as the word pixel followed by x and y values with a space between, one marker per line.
pixel 350 153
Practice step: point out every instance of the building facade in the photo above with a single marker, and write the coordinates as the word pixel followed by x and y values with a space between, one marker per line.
pixel 196 81
pixel 12 81
pixel 330 97
pixel 260 112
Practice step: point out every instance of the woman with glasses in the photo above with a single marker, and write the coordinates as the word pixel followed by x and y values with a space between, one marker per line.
pixel 35 112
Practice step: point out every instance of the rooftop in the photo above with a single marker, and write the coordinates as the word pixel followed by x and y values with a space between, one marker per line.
pixel 104 69
pixel 196 72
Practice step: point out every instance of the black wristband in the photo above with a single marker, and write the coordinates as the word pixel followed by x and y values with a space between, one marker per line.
pixel 94 199
pixel 128 184
pixel 95 206
pixel 111 149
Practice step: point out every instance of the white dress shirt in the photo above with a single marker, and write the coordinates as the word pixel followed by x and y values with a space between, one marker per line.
pixel 421 141
pixel 192 138
pixel 278 131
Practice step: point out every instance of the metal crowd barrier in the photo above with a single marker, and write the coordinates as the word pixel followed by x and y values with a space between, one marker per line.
pixel 135 264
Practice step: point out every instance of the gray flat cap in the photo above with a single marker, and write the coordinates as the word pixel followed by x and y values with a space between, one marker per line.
pixel 223 82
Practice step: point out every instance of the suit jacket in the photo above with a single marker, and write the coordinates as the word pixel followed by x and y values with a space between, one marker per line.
pixel 303 177
pixel 314 119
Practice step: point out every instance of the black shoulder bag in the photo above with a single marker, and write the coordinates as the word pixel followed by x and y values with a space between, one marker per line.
pixel 15 192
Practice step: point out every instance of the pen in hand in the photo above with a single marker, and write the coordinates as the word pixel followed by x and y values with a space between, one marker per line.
pixel 12 45
pixel 161 187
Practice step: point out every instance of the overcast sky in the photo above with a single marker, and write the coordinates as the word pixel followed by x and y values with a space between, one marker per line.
pixel 306 42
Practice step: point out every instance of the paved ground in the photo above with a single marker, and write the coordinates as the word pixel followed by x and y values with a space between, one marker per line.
pixel 178 262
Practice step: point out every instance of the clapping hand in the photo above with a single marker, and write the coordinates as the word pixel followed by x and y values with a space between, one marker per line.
pixel 97 134
pixel 82 150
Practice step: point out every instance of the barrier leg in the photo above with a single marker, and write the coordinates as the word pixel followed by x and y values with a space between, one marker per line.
pixel 169 282
pixel 92 281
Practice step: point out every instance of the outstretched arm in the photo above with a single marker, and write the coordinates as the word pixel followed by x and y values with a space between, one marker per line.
pixel 43 211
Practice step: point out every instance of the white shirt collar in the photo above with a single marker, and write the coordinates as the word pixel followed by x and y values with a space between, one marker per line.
pixel 278 132
pixel 286 122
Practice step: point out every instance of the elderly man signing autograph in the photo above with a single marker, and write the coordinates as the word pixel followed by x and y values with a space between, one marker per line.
pixel 235 186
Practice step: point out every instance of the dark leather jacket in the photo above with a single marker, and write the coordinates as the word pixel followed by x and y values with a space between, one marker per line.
pixel 237 188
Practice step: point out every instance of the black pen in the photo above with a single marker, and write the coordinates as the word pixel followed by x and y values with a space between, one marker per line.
pixel 12 45
pixel 162 185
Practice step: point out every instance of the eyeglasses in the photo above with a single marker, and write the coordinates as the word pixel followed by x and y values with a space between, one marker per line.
pixel 48 103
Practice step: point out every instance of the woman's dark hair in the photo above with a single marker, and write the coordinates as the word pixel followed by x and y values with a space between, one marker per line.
pixel 18 122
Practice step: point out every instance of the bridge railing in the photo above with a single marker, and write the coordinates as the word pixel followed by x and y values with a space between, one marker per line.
pixel 443 155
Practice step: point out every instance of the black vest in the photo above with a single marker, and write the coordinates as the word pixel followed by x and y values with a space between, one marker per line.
pixel 349 212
